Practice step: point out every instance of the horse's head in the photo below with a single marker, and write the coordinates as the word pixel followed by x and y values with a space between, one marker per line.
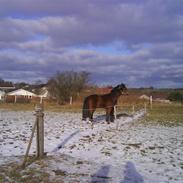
pixel 123 89
pixel 120 89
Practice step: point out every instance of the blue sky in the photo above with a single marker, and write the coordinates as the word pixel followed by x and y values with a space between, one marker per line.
pixel 137 42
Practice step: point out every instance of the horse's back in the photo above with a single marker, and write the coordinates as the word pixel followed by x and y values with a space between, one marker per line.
pixel 92 98
pixel 99 101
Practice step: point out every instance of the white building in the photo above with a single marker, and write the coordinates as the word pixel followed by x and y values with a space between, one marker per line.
pixel 22 92
pixel 145 97
pixel 44 93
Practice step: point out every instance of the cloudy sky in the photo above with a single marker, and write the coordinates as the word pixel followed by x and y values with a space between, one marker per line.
pixel 138 42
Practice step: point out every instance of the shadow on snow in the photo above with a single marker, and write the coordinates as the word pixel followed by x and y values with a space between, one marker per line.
pixel 131 175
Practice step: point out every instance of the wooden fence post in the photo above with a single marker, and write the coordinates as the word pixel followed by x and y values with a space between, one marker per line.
pixel 39 124
pixel 115 112
pixel 150 101
pixel 15 99
pixel 145 108
pixel 29 145
pixel 41 100
pixel 133 109
pixel 70 100
pixel 40 130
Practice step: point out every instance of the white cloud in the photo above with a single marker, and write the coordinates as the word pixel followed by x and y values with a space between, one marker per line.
pixel 43 37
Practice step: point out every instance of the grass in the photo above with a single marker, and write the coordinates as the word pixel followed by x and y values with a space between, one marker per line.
pixel 165 114
pixel 161 114
pixel 17 107
pixel 54 107
pixel 12 172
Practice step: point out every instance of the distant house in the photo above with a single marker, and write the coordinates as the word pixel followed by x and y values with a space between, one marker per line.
pixel 6 86
pixel 44 93
pixel 22 92
pixel 104 90
pixel 145 97
pixel 166 101
pixel 154 98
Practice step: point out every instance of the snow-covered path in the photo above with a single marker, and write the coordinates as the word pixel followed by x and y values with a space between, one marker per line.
pixel 154 152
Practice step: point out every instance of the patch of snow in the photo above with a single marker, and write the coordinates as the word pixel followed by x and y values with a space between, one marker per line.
pixel 150 154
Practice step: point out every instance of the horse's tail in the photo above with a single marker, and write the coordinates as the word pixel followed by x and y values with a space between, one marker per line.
pixel 85 109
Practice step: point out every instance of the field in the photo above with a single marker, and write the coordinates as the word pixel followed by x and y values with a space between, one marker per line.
pixel 145 147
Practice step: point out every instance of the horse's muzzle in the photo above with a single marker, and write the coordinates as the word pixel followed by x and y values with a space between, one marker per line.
pixel 124 93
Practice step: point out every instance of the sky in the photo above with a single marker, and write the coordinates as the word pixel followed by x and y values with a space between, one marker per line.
pixel 136 42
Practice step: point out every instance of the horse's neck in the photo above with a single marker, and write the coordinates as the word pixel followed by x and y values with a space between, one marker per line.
pixel 115 96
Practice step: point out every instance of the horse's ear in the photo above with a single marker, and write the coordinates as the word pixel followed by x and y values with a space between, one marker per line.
pixel 123 85
pixel 118 86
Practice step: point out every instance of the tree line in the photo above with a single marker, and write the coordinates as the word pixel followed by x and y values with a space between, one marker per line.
pixel 64 85
pixel 61 86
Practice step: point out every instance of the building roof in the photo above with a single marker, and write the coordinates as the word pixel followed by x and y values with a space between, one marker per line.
pixel 44 93
pixel 21 92
pixel 6 85
pixel 104 90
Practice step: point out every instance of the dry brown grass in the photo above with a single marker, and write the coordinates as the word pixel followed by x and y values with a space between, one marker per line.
pixel 51 105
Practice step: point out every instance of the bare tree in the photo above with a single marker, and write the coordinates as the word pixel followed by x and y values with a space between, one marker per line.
pixel 63 85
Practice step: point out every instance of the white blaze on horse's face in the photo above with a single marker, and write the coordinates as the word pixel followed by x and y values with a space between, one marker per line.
pixel 124 91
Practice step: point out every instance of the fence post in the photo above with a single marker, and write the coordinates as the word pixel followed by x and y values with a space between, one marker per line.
pixel 15 99
pixel 150 101
pixel 115 112
pixel 29 145
pixel 145 108
pixel 41 100
pixel 40 130
pixel 133 109
pixel 71 100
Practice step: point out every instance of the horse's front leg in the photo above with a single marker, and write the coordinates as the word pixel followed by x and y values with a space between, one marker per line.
pixel 112 114
pixel 108 116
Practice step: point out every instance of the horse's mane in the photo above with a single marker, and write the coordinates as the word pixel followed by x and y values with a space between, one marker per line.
pixel 118 88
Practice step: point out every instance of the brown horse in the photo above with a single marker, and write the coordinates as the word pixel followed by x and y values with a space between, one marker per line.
pixel 106 101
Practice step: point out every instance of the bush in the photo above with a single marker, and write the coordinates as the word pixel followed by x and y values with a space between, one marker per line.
pixel 63 85
pixel 175 96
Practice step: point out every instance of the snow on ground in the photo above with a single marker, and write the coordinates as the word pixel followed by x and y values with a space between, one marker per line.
pixel 147 153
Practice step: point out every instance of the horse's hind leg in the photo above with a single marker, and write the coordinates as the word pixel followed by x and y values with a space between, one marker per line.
pixel 85 110
pixel 85 114
pixel 91 115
